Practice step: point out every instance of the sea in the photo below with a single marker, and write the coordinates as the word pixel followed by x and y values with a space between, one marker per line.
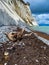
pixel 44 29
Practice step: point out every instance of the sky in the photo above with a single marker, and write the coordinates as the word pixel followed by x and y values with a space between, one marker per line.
pixel 40 10
pixel 39 6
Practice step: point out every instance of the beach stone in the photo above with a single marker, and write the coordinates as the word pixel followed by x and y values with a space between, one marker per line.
pixel 16 64
pixel 5 63
pixel 1 44
pixel 6 53
pixel 45 47
pixel 37 60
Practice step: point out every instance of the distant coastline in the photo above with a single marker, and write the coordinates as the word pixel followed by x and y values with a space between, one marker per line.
pixel 43 24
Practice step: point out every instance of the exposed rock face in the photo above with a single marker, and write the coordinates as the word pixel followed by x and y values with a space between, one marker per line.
pixel 23 10
pixel 5 19
pixel 18 10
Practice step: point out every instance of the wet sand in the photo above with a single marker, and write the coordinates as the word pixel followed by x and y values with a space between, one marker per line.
pixel 41 34
pixel 27 51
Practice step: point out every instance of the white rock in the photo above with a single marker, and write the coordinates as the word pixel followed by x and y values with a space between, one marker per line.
pixel 45 48
pixel 23 44
pixel 15 64
pixel 41 46
pixel 37 60
pixel 6 53
pixel 44 57
pixel 5 63
pixel 24 57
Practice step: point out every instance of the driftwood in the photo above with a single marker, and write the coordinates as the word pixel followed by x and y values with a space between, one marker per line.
pixel 14 36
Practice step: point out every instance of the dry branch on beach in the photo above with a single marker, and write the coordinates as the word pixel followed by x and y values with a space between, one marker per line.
pixel 14 36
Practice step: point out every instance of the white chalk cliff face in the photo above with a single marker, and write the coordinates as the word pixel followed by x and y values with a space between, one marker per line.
pixel 15 12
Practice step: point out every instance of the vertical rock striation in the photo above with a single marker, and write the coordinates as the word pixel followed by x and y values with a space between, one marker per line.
pixel 15 11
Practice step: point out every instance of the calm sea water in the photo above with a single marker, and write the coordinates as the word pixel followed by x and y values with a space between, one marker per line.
pixel 44 29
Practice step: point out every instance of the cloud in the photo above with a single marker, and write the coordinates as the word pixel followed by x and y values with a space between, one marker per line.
pixel 39 6
pixel 42 18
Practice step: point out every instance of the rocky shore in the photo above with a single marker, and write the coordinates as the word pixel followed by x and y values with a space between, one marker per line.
pixel 27 49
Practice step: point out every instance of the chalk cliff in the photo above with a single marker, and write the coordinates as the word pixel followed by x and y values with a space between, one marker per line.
pixel 15 12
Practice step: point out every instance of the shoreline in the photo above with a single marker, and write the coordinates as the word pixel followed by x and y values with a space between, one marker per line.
pixel 42 34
